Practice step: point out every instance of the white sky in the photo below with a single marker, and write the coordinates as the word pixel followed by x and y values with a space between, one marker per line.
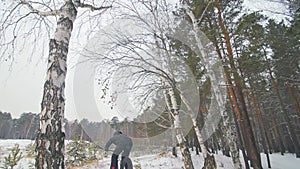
pixel 21 87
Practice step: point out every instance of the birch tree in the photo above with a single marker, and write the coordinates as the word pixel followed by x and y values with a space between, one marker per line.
pixel 221 20
pixel 215 73
pixel 141 55
pixel 51 134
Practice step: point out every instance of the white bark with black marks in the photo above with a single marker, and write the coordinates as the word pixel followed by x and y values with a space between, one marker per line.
pixel 50 137
pixel 213 68
pixel 200 139
pixel 172 104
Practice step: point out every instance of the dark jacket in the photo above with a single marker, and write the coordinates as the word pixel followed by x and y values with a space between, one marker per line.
pixel 123 144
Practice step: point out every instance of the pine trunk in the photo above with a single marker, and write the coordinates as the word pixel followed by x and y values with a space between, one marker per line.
pixel 233 103
pixel 244 118
pixel 216 81
pixel 264 136
pixel 234 106
pixel 248 133
pixel 292 132
pixel 295 102
pixel 51 134
pixel 277 133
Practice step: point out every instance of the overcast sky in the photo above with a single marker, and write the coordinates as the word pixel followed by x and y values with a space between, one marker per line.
pixel 21 85
pixel 21 90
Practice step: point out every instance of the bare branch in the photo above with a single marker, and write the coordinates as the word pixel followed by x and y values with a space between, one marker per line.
pixel 162 125
pixel 41 13
pixel 93 8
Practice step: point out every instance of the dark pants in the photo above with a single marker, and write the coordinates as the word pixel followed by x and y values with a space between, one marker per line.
pixel 126 162
pixel 114 162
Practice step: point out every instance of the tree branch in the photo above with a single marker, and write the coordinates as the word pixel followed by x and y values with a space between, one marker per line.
pixel 91 7
pixel 41 13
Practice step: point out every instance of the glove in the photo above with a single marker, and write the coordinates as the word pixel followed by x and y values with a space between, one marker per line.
pixel 105 154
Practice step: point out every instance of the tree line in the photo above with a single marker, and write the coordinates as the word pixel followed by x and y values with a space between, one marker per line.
pixel 26 126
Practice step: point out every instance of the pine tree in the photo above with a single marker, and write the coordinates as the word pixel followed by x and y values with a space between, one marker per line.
pixel 220 27
pixel 77 152
pixel 285 47
pixel 13 158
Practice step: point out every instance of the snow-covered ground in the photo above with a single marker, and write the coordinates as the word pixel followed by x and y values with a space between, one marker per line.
pixel 153 161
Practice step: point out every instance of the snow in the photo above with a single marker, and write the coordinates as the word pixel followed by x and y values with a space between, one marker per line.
pixel 277 10
pixel 153 161
pixel 288 161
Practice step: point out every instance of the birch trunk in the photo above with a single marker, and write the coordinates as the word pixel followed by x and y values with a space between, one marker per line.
pixel 231 134
pixel 200 139
pixel 210 162
pixel 172 104
pixel 51 134
pixel 245 123
pixel 234 106
pixel 237 126
pixel 216 90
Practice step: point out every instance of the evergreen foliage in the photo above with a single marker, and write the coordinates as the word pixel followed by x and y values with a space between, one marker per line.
pixel 30 150
pixel 13 158
pixel 80 152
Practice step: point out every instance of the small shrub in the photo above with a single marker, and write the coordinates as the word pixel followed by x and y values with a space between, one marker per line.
pixel 92 151
pixel 137 166
pixel 30 150
pixel 76 152
pixel 80 152
pixel 13 158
